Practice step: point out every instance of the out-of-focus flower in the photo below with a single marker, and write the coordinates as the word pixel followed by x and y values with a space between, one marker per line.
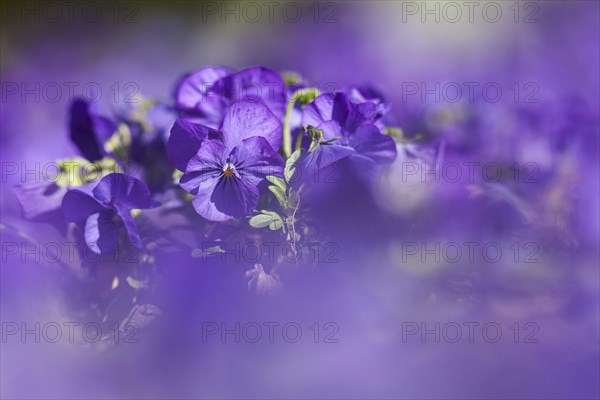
pixel 88 130
pixel 41 199
pixel 204 96
pixel 106 209
pixel 231 163
pixel 262 282
pixel 363 94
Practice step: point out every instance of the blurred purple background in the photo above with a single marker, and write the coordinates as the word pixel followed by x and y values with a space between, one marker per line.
pixel 545 58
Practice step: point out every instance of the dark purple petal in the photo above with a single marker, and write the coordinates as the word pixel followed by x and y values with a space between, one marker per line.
pixel 88 130
pixel 220 197
pixel 320 110
pixel 235 196
pixel 257 83
pixel 370 142
pixel 184 142
pixel 332 129
pixel 101 232
pixel 129 223
pixel 203 174
pixel 339 108
pixel 254 159
pixel 206 165
pixel 325 155
pixel 247 118
pixel 192 92
pixel 78 205
pixel 370 94
pixel 124 189
pixel 205 205
pixel 211 155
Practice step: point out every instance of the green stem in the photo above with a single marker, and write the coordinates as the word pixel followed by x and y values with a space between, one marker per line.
pixel 287 132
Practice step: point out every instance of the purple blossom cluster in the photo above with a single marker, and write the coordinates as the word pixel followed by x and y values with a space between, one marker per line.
pixel 222 147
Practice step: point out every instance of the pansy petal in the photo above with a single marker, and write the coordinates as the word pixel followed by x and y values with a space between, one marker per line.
pixel 205 167
pixel 78 205
pixel 185 140
pixel 339 108
pixel 89 131
pixel 101 233
pixel 254 83
pixel 351 115
pixel 325 155
pixel 254 159
pixel 191 93
pixel 124 189
pixel 202 183
pixel 360 114
pixel 204 204
pixel 320 110
pixel 370 142
pixel 235 196
pixel 129 224
pixel 332 129
pixel 247 118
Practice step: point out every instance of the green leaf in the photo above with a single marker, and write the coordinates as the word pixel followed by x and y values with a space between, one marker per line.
pixel 279 194
pixel 276 224
pixel 267 218
pixel 261 220
pixel 289 165
pixel 277 181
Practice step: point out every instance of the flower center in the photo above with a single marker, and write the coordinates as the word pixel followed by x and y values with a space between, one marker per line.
pixel 228 170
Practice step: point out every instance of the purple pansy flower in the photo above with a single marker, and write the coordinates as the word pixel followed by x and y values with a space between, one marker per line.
pixel 106 209
pixel 346 129
pixel 224 168
pixel 205 95
pixel 88 130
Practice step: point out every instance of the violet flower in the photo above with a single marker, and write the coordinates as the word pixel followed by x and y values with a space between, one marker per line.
pixel 229 164
pixel 106 209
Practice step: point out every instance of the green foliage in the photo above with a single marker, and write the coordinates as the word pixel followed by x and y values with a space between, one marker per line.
pixel 78 171
pixel 267 218
pixel 119 143
pixel 290 163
